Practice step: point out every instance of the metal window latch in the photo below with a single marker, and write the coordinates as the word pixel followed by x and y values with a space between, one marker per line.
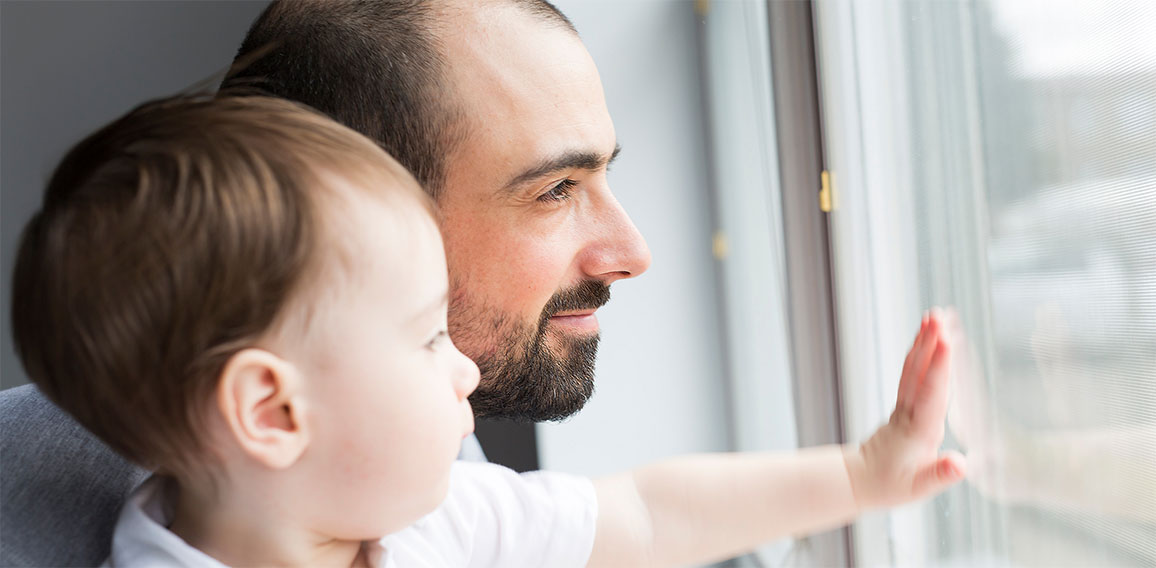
pixel 719 245
pixel 827 202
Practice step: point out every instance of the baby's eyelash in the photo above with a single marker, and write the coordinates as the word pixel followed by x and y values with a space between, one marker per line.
pixel 560 192
pixel 437 338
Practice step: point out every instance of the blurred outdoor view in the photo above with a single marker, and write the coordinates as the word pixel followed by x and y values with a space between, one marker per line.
pixel 1027 190
pixel 1068 99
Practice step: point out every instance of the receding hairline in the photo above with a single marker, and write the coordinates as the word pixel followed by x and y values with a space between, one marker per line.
pixel 541 10
pixel 452 18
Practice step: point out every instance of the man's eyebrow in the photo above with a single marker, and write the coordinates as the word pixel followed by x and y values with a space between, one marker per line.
pixel 576 159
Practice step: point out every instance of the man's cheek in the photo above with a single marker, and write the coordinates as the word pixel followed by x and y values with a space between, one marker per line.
pixel 530 281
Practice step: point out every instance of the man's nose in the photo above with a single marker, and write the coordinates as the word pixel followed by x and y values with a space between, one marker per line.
pixel 618 250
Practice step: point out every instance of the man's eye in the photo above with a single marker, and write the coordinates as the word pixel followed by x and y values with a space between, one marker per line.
pixel 437 339
pixel 560 192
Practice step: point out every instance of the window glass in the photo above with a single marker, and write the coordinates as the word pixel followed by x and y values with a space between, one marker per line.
pixel 1000 157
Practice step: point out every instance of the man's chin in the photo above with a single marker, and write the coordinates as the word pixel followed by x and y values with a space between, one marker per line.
pixel 488 406
pixel 532 371
pixel 551 382
pixel 568 349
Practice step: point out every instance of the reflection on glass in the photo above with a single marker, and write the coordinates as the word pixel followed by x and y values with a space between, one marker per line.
pixel 1031 131
pixel 1071 409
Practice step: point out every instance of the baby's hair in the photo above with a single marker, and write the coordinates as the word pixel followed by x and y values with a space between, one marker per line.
pixel 168 241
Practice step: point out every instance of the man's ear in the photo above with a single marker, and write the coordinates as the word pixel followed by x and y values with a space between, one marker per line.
pixel 261 398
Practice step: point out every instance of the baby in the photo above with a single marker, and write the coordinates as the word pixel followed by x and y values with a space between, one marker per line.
pixel 250 299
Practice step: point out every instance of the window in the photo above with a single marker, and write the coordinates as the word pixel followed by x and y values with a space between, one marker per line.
pixel 1001 157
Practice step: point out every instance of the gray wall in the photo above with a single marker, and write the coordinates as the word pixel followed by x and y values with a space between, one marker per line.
pixel 67 68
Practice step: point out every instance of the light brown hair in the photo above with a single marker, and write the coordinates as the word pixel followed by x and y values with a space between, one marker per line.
pixel 168 241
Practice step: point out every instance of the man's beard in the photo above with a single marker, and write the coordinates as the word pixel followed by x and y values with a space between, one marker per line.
pixel 523 378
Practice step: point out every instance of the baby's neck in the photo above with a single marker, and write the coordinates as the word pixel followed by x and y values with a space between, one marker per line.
pixel 246 528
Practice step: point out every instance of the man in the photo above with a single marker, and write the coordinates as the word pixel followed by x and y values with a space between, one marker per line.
pixel 498 110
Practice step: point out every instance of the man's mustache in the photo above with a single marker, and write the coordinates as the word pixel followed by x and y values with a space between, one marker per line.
pixel 588 295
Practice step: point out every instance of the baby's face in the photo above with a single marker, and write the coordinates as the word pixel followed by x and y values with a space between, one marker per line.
pixel 387 388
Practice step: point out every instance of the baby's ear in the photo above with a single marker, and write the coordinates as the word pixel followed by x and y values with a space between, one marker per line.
pixel 261 398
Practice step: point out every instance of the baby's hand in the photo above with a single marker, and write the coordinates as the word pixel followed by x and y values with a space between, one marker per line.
pixel 902 462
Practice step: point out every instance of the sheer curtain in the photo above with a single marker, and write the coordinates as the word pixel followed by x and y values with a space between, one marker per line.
pixel 1000 157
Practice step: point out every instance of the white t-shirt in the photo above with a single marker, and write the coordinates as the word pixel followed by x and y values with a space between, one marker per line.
pixel 491 517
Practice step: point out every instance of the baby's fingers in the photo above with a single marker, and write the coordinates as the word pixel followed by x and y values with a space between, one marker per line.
pixel 948 469
pixel 930 402
pixel 934 334
pixel 913 365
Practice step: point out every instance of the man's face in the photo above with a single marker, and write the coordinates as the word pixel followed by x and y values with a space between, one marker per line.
pixel 533 235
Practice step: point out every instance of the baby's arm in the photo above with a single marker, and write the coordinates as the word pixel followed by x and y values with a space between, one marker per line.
pixel 702 508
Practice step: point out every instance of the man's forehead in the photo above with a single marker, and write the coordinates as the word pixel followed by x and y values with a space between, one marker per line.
pixel 471 16
pixel 529 92
pixel 500 59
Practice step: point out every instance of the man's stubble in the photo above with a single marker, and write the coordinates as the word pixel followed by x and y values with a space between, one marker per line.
pixel 529 372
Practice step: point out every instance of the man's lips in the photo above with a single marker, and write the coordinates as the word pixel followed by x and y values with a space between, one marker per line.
pixel 583 320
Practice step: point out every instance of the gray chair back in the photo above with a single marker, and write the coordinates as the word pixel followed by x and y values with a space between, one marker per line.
pixel 60 488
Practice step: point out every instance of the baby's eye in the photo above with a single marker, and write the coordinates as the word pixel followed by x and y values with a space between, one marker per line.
pixel 560 192
pixel 437 340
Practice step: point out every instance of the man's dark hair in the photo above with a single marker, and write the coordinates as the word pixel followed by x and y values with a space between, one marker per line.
pixel 374 66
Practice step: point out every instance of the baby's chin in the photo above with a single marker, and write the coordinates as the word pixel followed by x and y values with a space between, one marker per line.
pixel 437 495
